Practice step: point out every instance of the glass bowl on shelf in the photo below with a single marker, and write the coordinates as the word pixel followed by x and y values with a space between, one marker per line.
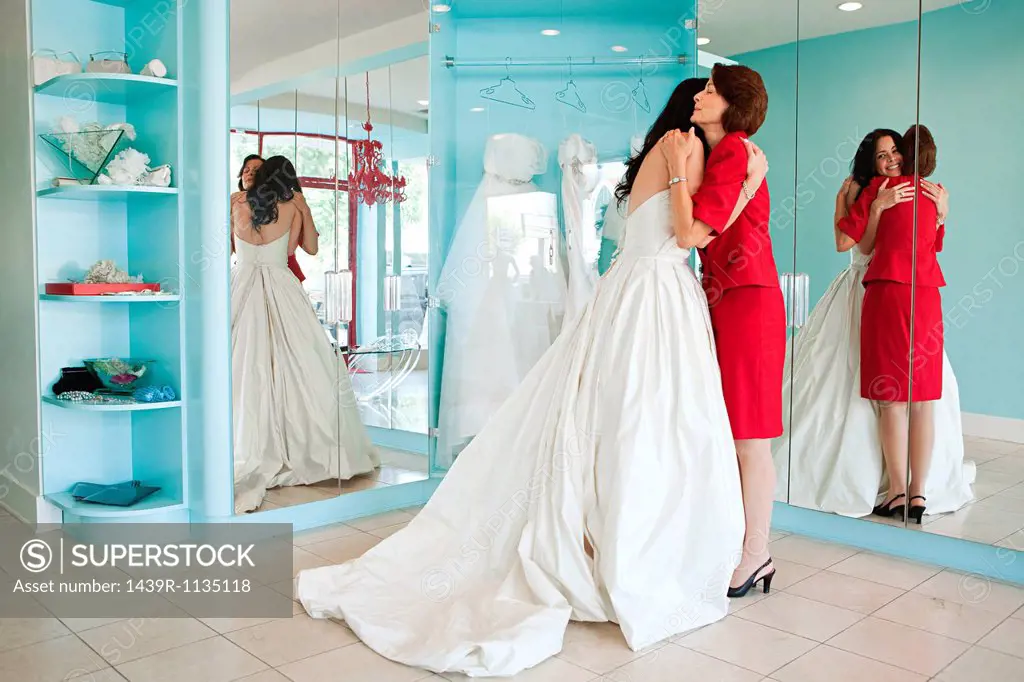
pixel 120 375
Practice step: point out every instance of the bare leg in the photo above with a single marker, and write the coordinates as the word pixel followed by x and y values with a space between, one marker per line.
pixel 757 476
pixel 893 425
pixel 922 444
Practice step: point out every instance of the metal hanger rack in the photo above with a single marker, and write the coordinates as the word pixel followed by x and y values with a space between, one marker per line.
pixel 451 62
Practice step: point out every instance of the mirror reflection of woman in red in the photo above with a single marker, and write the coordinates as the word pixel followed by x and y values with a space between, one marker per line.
pixel 246 173
pixel 901 297
pixel 748 314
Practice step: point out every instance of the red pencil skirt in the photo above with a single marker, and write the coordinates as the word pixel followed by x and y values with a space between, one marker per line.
pixel 750 336
pixel 885 357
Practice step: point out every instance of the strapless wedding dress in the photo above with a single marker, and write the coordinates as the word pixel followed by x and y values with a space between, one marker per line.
pixel 295 416
pixel 619 435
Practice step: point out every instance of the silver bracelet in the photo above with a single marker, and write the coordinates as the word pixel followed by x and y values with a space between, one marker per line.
pixel 747 192
pixel 676 180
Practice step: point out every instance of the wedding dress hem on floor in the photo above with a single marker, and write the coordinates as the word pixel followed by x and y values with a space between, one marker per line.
pixel 619 435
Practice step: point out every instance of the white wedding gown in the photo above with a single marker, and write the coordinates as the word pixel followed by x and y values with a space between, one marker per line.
pixel 830 458
pixel 503 290
pixel 295 415
pixel 619 434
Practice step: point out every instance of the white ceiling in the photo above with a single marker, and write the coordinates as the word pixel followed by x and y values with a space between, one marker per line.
pixel 399 87
pixel 265 30
pixel 736 26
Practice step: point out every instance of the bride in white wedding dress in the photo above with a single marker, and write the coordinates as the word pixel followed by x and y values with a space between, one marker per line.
pixel 830 458
pixel 295 415
pixel 605 489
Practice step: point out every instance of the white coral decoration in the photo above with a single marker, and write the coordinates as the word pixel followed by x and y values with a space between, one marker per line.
pixel 107 272
pixel 129 167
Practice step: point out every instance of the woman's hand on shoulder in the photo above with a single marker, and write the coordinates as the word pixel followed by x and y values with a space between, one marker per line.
pixel 891 196
pixel 238 197
pixel 938 194
pixel 677 147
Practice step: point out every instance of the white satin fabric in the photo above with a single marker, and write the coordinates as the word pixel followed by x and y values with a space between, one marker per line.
pixel 830 458
pixel 503 294
pixel 620 435
pixel 578 160
pixel 294 413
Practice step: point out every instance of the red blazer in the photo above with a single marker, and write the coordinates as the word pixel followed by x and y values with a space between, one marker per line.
pixel 741 255
pixel 293 265
pixel 894 246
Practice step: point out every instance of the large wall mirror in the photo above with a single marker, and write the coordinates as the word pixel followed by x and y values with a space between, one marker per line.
pixel 329 139
pixel 904 389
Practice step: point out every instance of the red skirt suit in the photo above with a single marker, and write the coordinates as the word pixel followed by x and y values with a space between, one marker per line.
pixel 886 374
pixel 748 314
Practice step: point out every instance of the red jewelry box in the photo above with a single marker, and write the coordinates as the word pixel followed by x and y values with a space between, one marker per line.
pixel 79 289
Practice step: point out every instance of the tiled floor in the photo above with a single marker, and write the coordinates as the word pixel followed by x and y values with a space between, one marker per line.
pixel 836 614
pixel 396 468
pixel 997 514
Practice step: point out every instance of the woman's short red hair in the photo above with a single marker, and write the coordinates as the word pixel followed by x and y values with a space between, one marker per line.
pixel 744 90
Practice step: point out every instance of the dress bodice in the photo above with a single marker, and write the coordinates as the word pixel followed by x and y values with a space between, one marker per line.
pixel 648 232
pixel 270 254
pixel 859 261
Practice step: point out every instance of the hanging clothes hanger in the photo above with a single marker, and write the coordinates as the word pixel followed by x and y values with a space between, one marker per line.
pixel 506 91
pixel 640 91
pixel 570 94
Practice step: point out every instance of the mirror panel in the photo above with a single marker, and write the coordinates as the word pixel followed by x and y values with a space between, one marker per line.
pixel 327 400
pixel 967 445
pixel 850 359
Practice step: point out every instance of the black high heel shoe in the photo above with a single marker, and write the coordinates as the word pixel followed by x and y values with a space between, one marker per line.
pixel 916 510
pixel 887 510
pixel 752 581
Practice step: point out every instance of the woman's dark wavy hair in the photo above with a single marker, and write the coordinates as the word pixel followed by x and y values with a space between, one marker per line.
pixel 251 157
pixel 862 169
pixel 275 181
pixel 675 116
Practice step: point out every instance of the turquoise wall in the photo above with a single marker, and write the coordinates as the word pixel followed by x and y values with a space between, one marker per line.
pixel 853 82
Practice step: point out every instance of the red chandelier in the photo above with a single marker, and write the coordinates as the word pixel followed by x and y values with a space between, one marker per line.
pixel 367 181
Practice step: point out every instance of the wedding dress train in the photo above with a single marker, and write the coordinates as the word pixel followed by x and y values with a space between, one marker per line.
pixel 619 439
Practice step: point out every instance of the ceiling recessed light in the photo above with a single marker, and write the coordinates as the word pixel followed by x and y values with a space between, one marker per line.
pixel 619 48
pixel 703 41
pixel 423 102
pixel 550 32
pixel 477 110
pixel 850 6
pixel 441 7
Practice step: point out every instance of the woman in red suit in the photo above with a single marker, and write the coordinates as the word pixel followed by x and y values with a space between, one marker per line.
pixel 246 173
pixel 901 295
pixel 748 314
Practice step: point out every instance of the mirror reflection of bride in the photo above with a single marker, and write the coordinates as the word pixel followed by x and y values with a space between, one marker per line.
pixel 295 416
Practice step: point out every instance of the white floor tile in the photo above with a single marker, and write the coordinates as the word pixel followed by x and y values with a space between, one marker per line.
pixel 950 619
pixel 672 663
pixel 836 665
pixel 285 641
pixel 1008 638
pixel 16 632
pixel 551 670
pixel 54 660
pixel 974 590
pixel 355 663
pixel 747 644
pixel 211 660
pixel 598 647
pixel 899 645
pixel 855 594
pixel 799 616
pixel 340 550
pixel 809 552
pixel 981 665
pixel 884 570
pixel 135 638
